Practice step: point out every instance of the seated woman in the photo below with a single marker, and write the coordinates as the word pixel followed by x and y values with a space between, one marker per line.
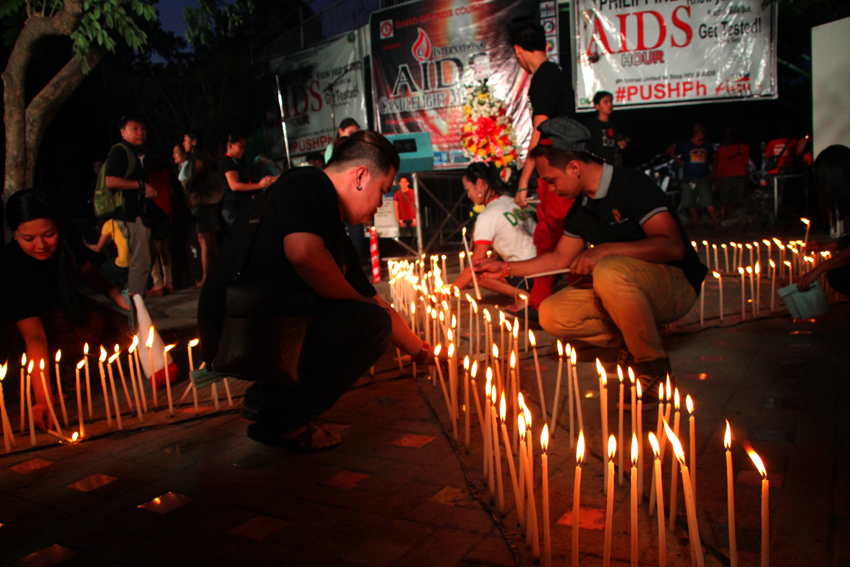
pixel 832 179
pixel 502 225
pixel 38 291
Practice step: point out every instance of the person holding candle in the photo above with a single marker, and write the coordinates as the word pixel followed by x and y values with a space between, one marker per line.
pixel 500 224
pixel 300 249
pixel 832 179
pixel 38 292
pixel 644 271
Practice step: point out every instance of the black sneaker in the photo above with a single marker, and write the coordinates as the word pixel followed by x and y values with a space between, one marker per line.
pixel 651 373
pixel 251 402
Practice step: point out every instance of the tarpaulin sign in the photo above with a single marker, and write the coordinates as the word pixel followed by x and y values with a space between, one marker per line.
pixel 315 83
pixel 423 53
pixel 653 53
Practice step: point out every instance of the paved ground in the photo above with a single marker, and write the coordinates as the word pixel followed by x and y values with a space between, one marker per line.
pixel 400 492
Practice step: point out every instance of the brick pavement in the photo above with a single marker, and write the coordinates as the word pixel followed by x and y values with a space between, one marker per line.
pixel 391 495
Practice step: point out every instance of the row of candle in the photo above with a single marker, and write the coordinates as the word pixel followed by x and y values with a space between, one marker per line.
pixel 138 404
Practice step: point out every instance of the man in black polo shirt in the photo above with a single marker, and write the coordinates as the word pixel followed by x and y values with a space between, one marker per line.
pixel 134 186
pixel 645 271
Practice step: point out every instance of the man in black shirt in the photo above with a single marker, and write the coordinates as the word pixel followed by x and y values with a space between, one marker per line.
pixel 644 270
pixel 134 186
pixel 605 135
pixel 301 248
pixel 549 95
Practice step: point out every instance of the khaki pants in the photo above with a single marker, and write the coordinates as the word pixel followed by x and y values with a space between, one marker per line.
pixel 139 241
pixel 629 299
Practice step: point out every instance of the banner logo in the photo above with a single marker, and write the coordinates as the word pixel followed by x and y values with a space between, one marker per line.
pixel 386 29
pixel 422 48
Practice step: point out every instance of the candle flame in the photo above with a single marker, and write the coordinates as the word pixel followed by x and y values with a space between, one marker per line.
pixel 634 450
pixel 58 355
pixel 661 392
pixel 502 408
pixel 527 413
pixel 521 424
pixel 475 307
pixel 41 364
pixel 117 349
pixel 489 374
pixel 766 242
pixel 741 270
pixel 715 274
pixel 466 363
pixel 442 316
pixel 445 305
pixel 758 462
pixel 437 350
pixel 668 391
pixel 689 403
pixel 508 326
pixel 463 232
pixel 603 376
pixel 134 344
pixel 749 246
pixel 487 316
pixel 102 354
pixel 451 350
pixel 656 450
pixel 24 360
pixel 639 389
pixel 677 446
pixel 75 436
pixel 620 373
pixel 723 246
pixel 631 376
pixel 3 371
pixel 580 448
pixel 676 399
pixel 86 349
pixel 573 357
pixel 727 438
pixel 531 338
pixel 194 342
pixel 495 351
pixel 612 447
pixel 169 347
pixel 787 263
pixel 501 317
pixel 454 321
pixel 474 370
pixel 714 246
pixel 749 269
pixel 112 358
pixel 805 221
pixel 29 367
pixel 758 268
pixel 149 342
pixel 494 395
pixel 516 329
pixel 772 265
pixel 544 437
pixel 81 363
pixel 705 243
pixel 513 360
pixel 560 349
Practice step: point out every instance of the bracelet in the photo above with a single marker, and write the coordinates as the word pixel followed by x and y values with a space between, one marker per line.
pixel 522 190
pixel 507 270
pixel 424 354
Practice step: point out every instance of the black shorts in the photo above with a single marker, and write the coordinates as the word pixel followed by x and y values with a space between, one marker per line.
pixel 207 218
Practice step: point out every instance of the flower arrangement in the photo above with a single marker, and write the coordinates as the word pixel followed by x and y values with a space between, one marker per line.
pixel 488 134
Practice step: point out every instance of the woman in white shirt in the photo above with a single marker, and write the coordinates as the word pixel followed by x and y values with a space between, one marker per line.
pixel 501 225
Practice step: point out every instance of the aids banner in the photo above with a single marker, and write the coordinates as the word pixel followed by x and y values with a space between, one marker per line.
pixel 425 53
pixel 320 87
pixel 653 53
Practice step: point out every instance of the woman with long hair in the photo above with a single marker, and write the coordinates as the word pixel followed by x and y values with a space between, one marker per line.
pixel 38 290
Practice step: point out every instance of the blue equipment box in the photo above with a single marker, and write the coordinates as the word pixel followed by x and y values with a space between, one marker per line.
pixel 415 151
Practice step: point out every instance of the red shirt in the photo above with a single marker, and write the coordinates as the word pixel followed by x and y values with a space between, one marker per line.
pixel 732 160
pixel 777 148
pixel 406 209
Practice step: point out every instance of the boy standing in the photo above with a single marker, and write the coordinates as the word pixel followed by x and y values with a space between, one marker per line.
pixel 694 156
pixel 605 135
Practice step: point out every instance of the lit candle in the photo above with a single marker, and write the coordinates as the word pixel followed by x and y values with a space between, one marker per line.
pixel 772 285
pixel 752 289
pixel 445 273
pixel 577 496
pixel 743 295
pixel 8 438
pixel 29 403
pixel 149 345
pixel 167 377
pixel 123 381
pixel 88 380
pixel 620 429
pixel 22 390
pixel 558 394
pixel 603 410
pixel 740 254
pixel 189 346
pixel 633 393
pixel 500 487
pixel 674 481
pixel 502 369
pixel 442 380
pixel 716 263
pixel 574 368
pixel 514 397
pixel 488 337
pixel 114 391
pixel 757 297
pixel 702 305
pixel 757 246
pixel 609 503
pixel 47 396
pixel 730 497
pixel 470 301
pixel 59 388
pixel 462 255
pixel 80 364
pixel 707 263
pixel 544 472
pixel 734 247
pixel 634 502
pixel 750 248
pixel 693 527
pixel 532 506
pixel 765 508
pixel 509 454
pixel 689 403
pixel 790 272
pixel 473 372
pixel 488 443
pixel 523 485
pixel 453 411
pixel 471 268
pixel 525 299
pixel 135 348
pixel 497 364
pixel 100 362
pixel 639 389
pixel 725 257
pixel 767 243
pixel 720 287
pixel 466 412
pixel 533 342
pixel 659 492
pixel 808 224
pixel 655 481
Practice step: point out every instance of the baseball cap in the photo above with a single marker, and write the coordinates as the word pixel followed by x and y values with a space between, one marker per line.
pixel 564 133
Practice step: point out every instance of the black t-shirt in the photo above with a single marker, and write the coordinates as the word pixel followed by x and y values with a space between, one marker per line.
pixel 30 287
pixel 603 138
pixel 550 91
pixel 235 201
pixel 302 200
pixel 116 166
pixel 624 201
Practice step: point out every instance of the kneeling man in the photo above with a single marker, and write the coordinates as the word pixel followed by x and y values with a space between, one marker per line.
pixel 644 270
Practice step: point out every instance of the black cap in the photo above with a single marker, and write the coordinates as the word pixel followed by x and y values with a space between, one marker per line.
pixel 564 134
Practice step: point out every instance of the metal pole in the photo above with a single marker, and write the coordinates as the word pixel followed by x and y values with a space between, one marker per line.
pixel 418 214
pixel 283 121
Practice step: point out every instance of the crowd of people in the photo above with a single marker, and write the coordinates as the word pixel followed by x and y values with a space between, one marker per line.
pixel 291 247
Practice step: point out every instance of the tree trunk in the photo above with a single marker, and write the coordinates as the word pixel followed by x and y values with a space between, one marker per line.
pixel 18 173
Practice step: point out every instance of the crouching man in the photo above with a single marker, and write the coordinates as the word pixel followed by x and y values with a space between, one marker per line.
pixel 644 270
pixel 301 249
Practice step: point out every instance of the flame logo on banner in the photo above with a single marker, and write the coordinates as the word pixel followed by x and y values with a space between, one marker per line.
pixel 422 48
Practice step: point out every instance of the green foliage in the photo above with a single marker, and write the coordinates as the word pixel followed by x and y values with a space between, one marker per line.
pixel 217 16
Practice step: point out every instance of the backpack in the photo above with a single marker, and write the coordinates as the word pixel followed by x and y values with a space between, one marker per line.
pixel 106 201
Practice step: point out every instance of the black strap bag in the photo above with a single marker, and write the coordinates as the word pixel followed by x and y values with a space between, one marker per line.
pixel 264 326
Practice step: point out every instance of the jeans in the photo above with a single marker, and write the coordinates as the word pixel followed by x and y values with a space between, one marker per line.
pixel 346 338
pixel 628 300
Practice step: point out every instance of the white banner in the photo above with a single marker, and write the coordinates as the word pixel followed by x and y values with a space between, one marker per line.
pixel 651 53
pixel 320 87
